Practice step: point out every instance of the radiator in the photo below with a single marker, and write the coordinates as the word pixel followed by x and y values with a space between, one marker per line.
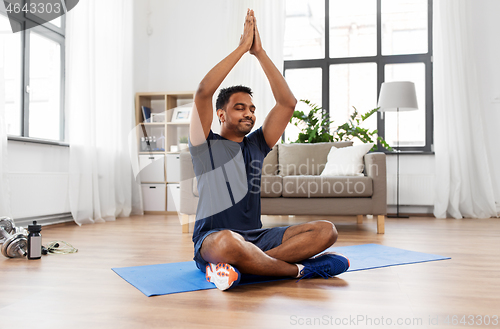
pixel 38 194
pixel 414 190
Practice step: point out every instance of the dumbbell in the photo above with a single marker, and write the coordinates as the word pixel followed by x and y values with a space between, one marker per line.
pixel 14 246
pixel 7 225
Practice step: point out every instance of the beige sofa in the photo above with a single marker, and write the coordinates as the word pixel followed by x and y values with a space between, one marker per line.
pixel 291 185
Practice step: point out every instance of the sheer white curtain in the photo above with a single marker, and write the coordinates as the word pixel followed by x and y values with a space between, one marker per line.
pixel 271 24
pixel 4 182
pixel 463 166
pixel 100 105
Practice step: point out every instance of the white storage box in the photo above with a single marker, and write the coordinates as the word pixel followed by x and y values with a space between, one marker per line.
pixel 153 197
pixel 152 168
pixel 173 169
pixel 173 197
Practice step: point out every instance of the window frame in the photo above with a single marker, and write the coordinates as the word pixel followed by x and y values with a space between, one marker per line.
pixel 381 61
pixel 56 34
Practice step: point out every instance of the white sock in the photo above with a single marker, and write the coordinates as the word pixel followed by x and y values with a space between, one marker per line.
pixel 300 267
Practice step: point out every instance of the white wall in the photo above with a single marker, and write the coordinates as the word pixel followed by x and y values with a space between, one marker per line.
pixel 141 46
pixel 416 183
pixel 38 179
pixel 183 45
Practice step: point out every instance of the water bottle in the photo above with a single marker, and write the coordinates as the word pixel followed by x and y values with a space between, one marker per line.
pixel 34 241
pixel 153 145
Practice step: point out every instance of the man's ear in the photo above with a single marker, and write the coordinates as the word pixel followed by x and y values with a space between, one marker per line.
pixel 220 115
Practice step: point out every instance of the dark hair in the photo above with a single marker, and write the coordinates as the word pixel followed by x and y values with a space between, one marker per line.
pixel 226 93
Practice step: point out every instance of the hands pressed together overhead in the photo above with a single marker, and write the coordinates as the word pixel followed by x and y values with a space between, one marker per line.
pixel 250 39
pixel 279 116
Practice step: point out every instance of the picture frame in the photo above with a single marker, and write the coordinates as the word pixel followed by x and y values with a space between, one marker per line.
pixel 158 117
pixel 182 114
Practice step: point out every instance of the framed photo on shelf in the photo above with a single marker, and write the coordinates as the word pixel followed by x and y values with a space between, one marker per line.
pixel 182 113
pixel 158 117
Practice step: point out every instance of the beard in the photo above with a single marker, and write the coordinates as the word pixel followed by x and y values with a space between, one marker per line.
pixel 245 128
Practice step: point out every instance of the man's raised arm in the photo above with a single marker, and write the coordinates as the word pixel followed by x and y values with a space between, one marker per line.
pixel 276 121
pixel 201 118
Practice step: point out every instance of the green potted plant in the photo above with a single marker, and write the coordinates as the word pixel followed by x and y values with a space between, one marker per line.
pixel 316 127
pixel 183 143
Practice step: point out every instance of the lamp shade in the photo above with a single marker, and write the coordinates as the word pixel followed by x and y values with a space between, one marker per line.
pixel 397 95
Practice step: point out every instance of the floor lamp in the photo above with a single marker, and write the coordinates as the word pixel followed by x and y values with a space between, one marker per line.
pixel 397 96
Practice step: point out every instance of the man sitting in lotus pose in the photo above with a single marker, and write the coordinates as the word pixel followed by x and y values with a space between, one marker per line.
pixel 228 234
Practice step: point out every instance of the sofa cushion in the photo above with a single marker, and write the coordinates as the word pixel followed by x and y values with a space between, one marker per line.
pixel 323 187
pixel 271 186
pixel 305 159
pixel 347 161
pixel 195 187
pixel 270 165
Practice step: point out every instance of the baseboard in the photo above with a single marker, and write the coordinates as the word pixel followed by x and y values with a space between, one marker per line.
pixel 411 210
pixel 408 214
pixel 44 220
pixel 150 212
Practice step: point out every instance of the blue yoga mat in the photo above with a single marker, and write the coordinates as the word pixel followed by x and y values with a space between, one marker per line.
pixel 163 279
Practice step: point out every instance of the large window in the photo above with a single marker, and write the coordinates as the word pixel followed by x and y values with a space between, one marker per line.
pixel 366 43
pixel 33 69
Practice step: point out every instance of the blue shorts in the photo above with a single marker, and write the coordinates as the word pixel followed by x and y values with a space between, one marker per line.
pixel 265 239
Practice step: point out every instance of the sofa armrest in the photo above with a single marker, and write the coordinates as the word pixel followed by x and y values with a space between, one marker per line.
pixel 188 201
pixel 375 167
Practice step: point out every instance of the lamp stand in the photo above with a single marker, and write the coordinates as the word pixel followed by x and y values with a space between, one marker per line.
pixel 397 189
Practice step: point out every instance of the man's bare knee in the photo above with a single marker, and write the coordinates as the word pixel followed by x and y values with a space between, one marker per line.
pixel 228 240
pixel 328 231
pixel 222 247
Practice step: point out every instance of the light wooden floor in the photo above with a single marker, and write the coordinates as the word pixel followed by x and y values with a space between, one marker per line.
pixel 81 290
